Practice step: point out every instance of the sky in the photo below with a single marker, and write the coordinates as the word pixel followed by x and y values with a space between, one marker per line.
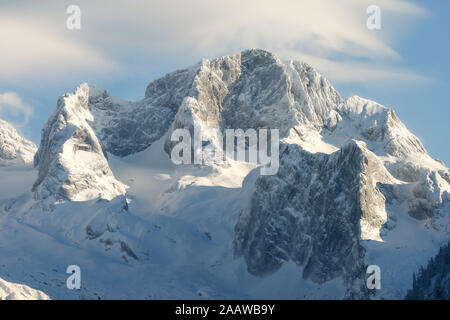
pixel 123 45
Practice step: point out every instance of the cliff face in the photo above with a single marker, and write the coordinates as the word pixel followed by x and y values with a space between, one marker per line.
pixel 314 212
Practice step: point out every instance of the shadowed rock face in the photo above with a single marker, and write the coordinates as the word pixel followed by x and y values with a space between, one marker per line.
pixel 312 213
pixel 129 127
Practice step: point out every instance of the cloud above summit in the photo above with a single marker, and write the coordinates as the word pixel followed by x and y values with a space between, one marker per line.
pixel 119 36
pixel 12 106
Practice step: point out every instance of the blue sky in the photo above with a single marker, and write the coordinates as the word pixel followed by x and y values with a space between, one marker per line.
pixel 123 45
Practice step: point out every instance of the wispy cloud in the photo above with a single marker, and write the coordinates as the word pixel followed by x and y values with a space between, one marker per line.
pixel 372 72
pixel 11 105
pixel 331 34
pixel 30 48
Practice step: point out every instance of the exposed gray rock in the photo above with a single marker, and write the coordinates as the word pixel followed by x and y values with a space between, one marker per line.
pixel 126 127
pixel 312 213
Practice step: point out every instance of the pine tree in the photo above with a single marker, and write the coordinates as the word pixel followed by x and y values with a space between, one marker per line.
pixel 432 282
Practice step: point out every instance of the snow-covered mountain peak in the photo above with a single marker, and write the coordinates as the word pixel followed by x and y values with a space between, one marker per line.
pixel 14 149
pixel 71 161
pixel 255 89
pixel 381 124
pixel 252 89
pixel 353 184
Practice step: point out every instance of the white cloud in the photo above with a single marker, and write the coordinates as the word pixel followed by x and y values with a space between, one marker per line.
pixel 330 32
pixel 30 48
pixel 11 104
pixel 354 71
pixel 326 26
pixel 317 31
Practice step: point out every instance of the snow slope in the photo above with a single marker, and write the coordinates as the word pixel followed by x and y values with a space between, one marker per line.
pixel 14 291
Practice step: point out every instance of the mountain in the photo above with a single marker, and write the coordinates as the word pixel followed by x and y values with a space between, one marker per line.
pixel 353 187
pixel 80 169
pixel 13 291
pixel 14 149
